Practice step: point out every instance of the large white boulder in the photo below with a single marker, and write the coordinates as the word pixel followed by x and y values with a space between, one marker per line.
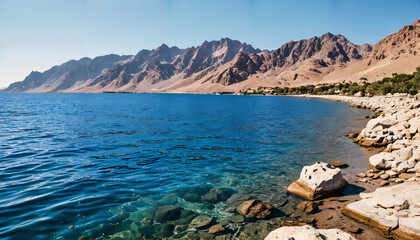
pixel 308 233
pixel 317 181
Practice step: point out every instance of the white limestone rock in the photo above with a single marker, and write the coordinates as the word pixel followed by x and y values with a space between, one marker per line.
pixel 382 160
pixel 414 125
pixel 405 153
pixel 405 165
pixel 308 233
pixel 317 181
pixel 390 208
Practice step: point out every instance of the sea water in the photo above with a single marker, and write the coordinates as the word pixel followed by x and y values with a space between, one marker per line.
pixel 100 165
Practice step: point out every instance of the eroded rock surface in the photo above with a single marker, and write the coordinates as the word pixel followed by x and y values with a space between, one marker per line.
pixel 255 209
pixel 318 181
pixel 393 210
pixel 308 233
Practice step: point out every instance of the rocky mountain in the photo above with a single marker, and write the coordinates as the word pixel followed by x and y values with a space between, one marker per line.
pixel 65 75
pixel 164 66
pixel 305 59
pixel 36 79
pixel 326 59
pixel 397 53
pixel 229 66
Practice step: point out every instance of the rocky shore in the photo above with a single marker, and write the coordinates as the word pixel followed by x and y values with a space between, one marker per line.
pixel 394 207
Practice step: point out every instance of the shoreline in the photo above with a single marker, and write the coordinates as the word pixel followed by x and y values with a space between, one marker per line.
pixel 341 209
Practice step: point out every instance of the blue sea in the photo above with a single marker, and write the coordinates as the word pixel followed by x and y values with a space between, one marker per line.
pixel 98 166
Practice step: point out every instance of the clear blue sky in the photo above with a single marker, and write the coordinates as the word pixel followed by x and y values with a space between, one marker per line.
pixel 37 34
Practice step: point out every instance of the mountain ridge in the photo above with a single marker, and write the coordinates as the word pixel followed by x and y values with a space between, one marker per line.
pixel 230 65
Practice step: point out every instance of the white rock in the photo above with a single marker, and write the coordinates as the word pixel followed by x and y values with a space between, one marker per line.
pixel 378 128
pixel 416 154
pixel 397 128
pixel 318 181
pixel 405 153
pixel 410 224
pixel 392 173
pixel 404 166
pixel 395 202
pixel 382 160
pixel 416 168
pixel 387 207
pixel 307 233
pixel 387 122
pixel 373 123
pixel 414 125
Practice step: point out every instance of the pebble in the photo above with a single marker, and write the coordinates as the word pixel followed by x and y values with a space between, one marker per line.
pixel 384 176
pixel 369 174
pixel 236 219
pixel 398 180
pixel 201 222
pixel 392 174
pixel 361 175
pixel 362 180
pixel 383 183
pixel 147 220
pixel 307 207
pixel 338 164
pixel 218 228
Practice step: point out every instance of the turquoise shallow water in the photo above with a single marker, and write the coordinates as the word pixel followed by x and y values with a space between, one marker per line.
pixel 104 162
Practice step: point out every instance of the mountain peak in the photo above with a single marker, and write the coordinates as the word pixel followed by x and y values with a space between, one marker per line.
pixel 163 46
pixel 327 35
pixel 225 39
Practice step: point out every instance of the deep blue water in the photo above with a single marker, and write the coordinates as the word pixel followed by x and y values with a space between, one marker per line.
pixel 96 161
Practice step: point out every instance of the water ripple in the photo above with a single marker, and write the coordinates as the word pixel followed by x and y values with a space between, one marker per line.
pixel 102 162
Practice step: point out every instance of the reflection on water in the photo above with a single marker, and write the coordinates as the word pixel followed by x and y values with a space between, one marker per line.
pixel 106 163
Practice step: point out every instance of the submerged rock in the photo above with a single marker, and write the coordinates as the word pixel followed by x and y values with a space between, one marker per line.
pixel 317 181
pixel 191 197
pixel 217 195
pixel 353 135
pixel 164 230
pixel 218 228
pixel 167 213
pixel 180 228
pixel 236 219
pixel 307 207
pixel 255 209
pixel 308 233
pixel 201 222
